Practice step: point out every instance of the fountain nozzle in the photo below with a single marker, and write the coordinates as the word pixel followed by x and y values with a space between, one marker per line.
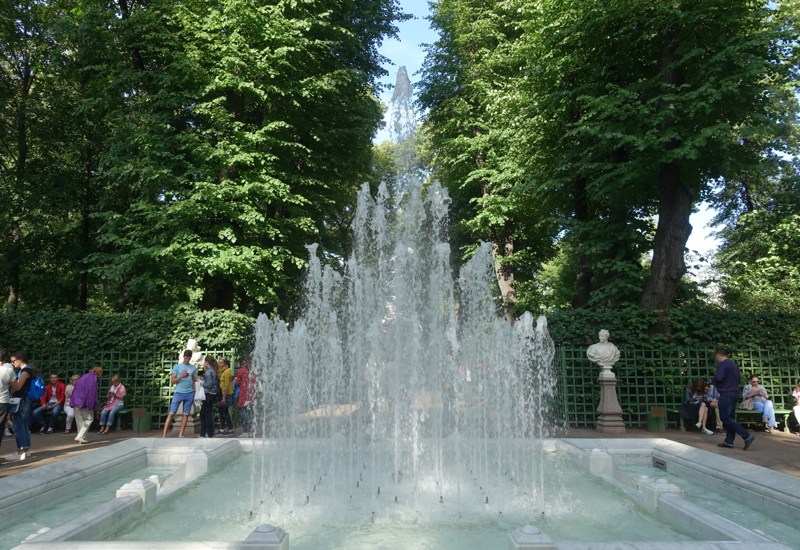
pixel 441 499
pixel 487 500
pixel 379 490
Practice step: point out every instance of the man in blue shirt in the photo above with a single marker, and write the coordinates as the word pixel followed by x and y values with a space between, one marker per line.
pixel 183 380
pixel 727 382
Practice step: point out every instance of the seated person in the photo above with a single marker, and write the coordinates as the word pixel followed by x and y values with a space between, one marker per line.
pixel 712 399
pixel 114 404
pixel 761 402
pixel 695 408
pixel 52 400
pixel 796 408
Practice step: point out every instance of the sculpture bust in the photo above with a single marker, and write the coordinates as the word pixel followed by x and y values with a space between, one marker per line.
pixel 197 357
pixel 604 353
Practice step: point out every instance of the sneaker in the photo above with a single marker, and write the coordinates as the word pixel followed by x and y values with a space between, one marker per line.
pixel 49 431
pixel 245 434
pixel 723 444
pixel 707 432
pixel 721 431
pixel 17 456
pixel 7 433
pixel 748 442
pixel 43 431
pixel 81 440
pixel 699 425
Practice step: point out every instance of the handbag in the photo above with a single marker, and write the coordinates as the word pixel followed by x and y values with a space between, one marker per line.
pixel 746 405
pixel 200 393
pixel 14 404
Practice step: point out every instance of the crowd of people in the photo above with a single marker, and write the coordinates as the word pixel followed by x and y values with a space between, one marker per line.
pixel 721 398
pixel 217 386
pixel 25 399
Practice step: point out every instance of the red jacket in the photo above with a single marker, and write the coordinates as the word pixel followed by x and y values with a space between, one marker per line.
pixel 61 389
pixel 245 380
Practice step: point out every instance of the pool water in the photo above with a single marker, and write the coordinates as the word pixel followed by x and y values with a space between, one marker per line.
pixel 55 515
pixel 226 505
pixel 725 506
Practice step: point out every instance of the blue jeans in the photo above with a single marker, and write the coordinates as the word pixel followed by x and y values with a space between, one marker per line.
pixel 107 415
pixel 768 411
pixel 727 411
pixel 37 416
pixel 21 421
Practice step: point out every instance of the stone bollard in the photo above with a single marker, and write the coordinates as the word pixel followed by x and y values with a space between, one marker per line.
pixel 530 538
pixel 601 462
pixel 145 488
pixel 653 489
pixel 196 463
pixel 266 537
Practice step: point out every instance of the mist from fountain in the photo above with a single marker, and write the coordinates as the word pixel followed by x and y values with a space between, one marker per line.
pixel 402 390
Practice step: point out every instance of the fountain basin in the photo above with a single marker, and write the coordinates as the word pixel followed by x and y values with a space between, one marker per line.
pixel 425 522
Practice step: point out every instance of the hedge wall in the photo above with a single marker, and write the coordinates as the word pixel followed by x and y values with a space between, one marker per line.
pixel 220 329
pixel 154 331
pixel 692 327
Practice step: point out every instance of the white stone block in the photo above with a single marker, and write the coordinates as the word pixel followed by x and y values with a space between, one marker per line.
pixel 197 463
pixel 266 537
pixel 144 488
pixel 653 489
pixel 601 462
pixel 530 538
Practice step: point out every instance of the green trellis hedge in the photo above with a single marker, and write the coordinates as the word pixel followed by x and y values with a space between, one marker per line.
pixel 660 376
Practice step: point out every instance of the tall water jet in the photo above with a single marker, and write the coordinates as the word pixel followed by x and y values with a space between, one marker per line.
pixel 398 373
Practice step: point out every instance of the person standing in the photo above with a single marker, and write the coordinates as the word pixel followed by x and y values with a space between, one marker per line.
pixel 244 379
pixel 226 401
pixel 20 388
pixel 84 402
pixel 52 400
pixel 727 381
pixel 211 388
pixel 183 379
pixel 67 406
pixel 7 375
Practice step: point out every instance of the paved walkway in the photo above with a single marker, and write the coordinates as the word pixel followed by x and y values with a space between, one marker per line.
pixel 779 452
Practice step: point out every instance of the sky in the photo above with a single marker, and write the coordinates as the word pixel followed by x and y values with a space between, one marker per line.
pixel 408 52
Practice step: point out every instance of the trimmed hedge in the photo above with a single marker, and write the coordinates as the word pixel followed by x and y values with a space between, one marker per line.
pixel 692 327
pixel 153 331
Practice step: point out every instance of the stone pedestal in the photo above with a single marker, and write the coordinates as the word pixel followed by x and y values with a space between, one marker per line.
pixel 609 413
pixel 530 538
pixel 190 424
pixel 266 537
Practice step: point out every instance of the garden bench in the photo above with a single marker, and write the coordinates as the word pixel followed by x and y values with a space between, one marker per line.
pixel 781 415
pixel 118 417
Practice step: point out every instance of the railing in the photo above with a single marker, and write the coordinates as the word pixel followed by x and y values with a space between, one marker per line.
pixel 145 374
pixel 659 377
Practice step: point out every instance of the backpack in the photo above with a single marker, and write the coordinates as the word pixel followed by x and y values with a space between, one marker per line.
pixel 36 390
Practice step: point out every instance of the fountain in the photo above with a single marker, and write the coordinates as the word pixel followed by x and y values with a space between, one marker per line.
pixel 397 373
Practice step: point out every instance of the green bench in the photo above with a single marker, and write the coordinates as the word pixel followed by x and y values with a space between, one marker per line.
pixel 118 418
pixel 781 415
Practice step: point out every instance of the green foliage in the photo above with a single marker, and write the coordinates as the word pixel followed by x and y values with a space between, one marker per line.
pixel 98 332
pixel 156 153
pixel 692 327
pixel 557 121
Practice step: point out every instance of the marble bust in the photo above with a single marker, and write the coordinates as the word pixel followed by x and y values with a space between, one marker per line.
pixel 197 357
pixel 604 353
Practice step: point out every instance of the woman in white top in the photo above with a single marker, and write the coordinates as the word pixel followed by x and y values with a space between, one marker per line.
pixel 67 409
pixel 7 375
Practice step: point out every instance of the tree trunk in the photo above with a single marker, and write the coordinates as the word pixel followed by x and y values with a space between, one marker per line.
pixel 583 281
pixel 674 207
pixel 85 234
